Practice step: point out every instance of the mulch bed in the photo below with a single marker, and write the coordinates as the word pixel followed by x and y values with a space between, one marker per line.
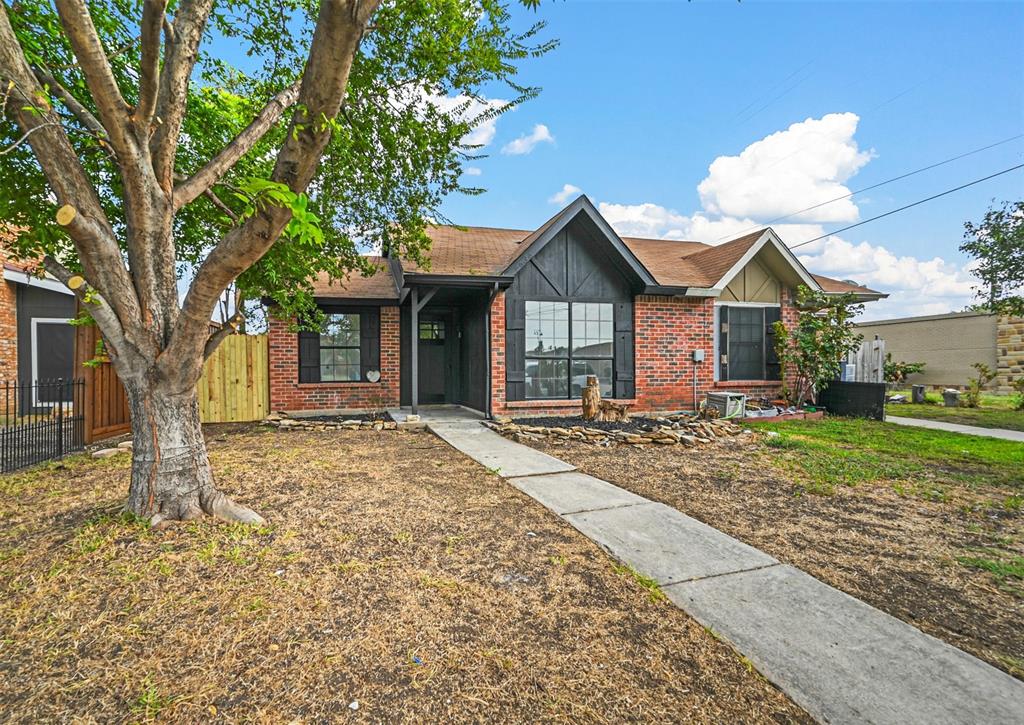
pixel 899 554
pixel 395 581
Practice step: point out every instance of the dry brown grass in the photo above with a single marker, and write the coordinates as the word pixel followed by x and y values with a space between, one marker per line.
pixel 890 543
pixel 393 572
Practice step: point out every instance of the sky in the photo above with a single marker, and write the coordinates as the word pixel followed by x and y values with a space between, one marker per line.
pixel 701 120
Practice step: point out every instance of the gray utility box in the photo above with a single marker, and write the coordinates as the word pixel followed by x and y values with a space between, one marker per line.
pixel 728 405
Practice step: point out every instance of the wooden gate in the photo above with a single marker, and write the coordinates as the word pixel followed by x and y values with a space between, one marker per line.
pixel 106 405
pixel 234 387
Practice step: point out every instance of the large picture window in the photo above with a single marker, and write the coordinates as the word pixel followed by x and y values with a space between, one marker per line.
pixel 339 348
pixel 566 342
pixel 746 343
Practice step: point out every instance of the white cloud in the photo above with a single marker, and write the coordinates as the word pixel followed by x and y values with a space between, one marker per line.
pixel 472 171
pixel 477 112
pixel 804 165
pixel 915 286
pixel 525 144
pixel 568 192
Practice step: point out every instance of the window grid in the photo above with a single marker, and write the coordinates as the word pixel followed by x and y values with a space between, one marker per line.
pixel 565 343
pixel 340 352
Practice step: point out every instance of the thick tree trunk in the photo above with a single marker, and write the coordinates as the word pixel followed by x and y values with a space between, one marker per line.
pixel 171 474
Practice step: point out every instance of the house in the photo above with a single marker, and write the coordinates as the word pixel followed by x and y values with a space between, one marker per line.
pixel 513 321
pixel 950 344
pixel 36 340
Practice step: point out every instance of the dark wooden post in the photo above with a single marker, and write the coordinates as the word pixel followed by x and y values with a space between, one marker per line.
pixel 414 349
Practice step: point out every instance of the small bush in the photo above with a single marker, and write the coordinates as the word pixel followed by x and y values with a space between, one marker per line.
pixel 972 396
pixel 1018 396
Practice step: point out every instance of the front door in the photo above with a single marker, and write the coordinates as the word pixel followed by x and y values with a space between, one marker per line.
pixel 433 355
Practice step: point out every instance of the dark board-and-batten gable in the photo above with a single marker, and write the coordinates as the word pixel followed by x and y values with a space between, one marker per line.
pixel 575 262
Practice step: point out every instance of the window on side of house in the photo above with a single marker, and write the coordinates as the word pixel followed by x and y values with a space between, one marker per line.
pixel 565 343
pixel 340 348
pixel 746 343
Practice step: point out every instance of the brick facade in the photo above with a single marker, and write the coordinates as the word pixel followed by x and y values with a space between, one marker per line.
pixel 287 394
pixel 667 330
pixel 8 326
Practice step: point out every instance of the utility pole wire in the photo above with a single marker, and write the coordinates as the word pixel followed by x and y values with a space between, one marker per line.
pixel 875 186
pixel 916 203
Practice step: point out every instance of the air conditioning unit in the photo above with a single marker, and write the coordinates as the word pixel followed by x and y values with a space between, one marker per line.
pixel 728 405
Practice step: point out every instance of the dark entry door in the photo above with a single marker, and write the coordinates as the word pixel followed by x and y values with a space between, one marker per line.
pixel 53 357
pixel 433 354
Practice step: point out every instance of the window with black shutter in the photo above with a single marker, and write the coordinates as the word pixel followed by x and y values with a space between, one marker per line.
pixel 344 350
pixel 746 343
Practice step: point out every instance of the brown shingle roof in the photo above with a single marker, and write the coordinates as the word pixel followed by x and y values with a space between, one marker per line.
pixel 837 286
pixel 380 285
pixel 489 251
pixel 469 250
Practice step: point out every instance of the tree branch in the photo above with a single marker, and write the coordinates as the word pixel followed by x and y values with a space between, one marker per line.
pixel 24 137
pixel 206 177
pixel 83 114
pixel 339 30
pixel 90 230
pixel 95 66
pixel 179 58
pixel 98 308
pixel 149 66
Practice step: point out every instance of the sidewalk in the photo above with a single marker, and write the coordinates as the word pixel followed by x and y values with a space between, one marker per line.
pixel 971 430
pixel 838 658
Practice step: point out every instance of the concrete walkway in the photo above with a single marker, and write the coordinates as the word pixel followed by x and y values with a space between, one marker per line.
pixel 840 659
pixel 971 430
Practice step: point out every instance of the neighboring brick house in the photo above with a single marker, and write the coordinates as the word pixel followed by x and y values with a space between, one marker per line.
pixel 511 322
pixel 36 341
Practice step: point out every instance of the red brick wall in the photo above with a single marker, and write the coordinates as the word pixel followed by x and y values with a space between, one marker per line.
pixel 286 394
pixel 667 331
pixel 8 325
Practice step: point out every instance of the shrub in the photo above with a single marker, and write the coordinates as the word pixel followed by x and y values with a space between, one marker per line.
pixel 972 396
pixel 896 372
pixel 1018 396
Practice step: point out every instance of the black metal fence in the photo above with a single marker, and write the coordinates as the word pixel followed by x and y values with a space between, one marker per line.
pixel 40 421
pixel 857 400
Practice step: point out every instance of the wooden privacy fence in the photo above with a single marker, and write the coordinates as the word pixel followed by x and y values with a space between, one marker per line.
pixel 868 362
pixel 235 387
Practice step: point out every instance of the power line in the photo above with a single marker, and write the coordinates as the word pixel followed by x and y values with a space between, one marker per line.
pixel 875 186
pixel 916 203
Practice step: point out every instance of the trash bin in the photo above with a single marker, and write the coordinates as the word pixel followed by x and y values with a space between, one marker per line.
pixel 916 393
pixel 951 397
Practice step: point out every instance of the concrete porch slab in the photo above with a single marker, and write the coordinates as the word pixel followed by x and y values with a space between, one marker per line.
pixel 573 492
pixel 507 458
pixel 845 661
pixel 667 545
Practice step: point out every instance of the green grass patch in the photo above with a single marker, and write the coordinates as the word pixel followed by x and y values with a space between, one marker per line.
pixel 1006 568
pixel 654 592
pixel 845 451
pixel 996 411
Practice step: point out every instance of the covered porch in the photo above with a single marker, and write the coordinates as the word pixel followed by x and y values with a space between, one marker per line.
pixel 445 345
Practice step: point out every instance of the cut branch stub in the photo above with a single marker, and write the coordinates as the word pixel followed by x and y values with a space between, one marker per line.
pixel 75 282
pixel 66 214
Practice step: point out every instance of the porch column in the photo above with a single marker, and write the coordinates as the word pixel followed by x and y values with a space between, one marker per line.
pixel 414 352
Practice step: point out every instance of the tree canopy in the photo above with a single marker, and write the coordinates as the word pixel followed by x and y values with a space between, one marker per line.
pixel 997 242
pixel 395 150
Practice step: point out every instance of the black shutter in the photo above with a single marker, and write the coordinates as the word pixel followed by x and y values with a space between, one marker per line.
pixel 309 357
pixel 515 349
pixel 723 343
pixel 369 341
pixel 625 383
pixel 772 366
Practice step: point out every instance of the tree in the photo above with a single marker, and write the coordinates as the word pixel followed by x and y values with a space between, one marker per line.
pixel 997 242
pixel 811 353
pixel 896 372
pixel 135 156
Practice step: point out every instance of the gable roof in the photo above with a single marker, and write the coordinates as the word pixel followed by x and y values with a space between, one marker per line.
pixel 583 208
pixel 663 266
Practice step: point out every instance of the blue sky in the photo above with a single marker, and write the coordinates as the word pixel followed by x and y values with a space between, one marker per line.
pixel 640 98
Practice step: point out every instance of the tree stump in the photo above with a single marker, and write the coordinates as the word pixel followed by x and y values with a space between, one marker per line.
pixel 591 399
pixel 613 412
